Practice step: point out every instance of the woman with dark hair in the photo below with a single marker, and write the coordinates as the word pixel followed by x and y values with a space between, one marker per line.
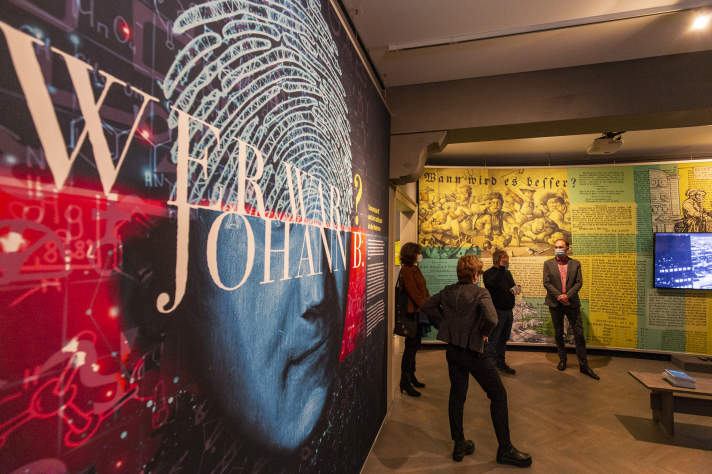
pixel 413 282
pixel 464 314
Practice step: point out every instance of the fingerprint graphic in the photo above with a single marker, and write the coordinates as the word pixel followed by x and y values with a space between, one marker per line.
pixel 265 72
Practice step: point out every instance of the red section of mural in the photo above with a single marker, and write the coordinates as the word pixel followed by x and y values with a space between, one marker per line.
pixel 77 390
pixel 69 365
pixel 355 321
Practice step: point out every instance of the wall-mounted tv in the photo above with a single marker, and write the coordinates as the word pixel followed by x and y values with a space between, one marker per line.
pixel 683 260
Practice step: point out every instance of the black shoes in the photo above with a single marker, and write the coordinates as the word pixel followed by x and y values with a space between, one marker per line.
pixel 513 456
pixel 506 369
pixel 407 387
pixel 409 390
pixel 510 456
pixel 415 382
pixel 585 369
pixel 462 448
pixel 589 371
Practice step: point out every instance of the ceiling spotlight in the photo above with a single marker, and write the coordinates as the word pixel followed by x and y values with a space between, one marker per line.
pixel 606 144
pixel 701 22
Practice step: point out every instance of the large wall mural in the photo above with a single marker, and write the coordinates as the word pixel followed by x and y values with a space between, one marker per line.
pixel 608 213
pixel 192 238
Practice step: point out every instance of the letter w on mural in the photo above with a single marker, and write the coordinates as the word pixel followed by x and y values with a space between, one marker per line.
pixel 39 102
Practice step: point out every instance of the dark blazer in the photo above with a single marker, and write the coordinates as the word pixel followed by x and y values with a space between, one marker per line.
pixel 552 282
pixel 464 313
pixel 414 283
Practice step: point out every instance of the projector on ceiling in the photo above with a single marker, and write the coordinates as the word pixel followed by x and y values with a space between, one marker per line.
pixel 609 143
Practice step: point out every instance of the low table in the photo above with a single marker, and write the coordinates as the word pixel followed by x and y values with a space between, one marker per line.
pixel 666 399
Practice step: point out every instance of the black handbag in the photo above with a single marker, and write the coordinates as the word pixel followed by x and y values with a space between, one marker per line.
pixel 406 323
pixel 406 326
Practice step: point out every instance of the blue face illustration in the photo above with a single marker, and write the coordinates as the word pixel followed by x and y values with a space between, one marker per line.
pixel 266 73
pixel 271 348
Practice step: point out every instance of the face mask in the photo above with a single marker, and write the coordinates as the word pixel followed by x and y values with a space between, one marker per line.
pixel 420 258
pixel 559 252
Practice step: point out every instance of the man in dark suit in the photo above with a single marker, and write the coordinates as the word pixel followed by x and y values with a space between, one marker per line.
pixel 563 280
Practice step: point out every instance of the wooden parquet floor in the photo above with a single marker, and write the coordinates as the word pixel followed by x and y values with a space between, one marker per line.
pixel 568 422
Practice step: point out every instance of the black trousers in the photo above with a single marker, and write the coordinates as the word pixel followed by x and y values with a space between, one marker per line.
pixel 497 343
pixel 575 322
pixel 461 363
pixel 408 361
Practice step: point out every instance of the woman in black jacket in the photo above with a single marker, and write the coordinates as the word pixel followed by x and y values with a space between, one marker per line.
pixel 465 315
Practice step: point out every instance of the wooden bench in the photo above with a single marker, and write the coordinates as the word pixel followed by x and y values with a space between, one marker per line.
pixel 665 399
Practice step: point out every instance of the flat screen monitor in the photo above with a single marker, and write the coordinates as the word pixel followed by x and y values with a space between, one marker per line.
pixel 683 260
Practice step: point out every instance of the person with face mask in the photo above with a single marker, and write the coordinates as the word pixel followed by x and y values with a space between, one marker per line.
pixel 413 282
pixel 563 280
pixel 499 282
pixel 464 315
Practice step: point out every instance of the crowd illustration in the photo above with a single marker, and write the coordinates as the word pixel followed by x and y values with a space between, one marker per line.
pixel 524 219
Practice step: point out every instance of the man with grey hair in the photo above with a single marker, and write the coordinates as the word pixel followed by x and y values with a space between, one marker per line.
pixel 499 282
